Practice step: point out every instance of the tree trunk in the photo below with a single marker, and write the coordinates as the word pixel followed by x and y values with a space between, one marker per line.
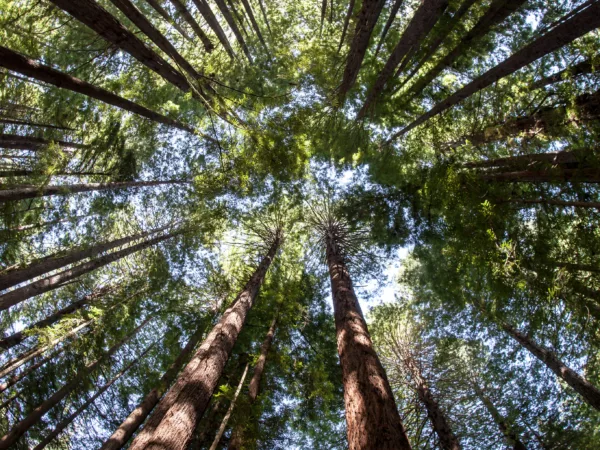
pixel 248 9
pixel 266 19
pixel 323 12
pixel 14 61
pixel 52 282
pixel 573 28
pixel 34 124
pixel 346 22
pixel 365 23
pixel 582 68
pixel 129 426
pixel 372 418
pixel 448 440
pixel 421 24
pixel 67 420
pixel 173 422
pixel 543 201
pixel 17 142
pixel 165 15
pixel 236 31
pixel 237 436
pixel 18 337
pixel 545 176
pixel 506 430
pixel 563 158
pixel 90 13
pixel 19 376
pixel 589 393
pixel 18 430
pixel 239 16
pixel 213 23
pixel 393 12
pixel 28 173
pixel 187 15
pixel 221 430
pixel 28 191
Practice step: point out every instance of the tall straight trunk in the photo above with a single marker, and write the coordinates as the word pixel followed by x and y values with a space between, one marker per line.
pixel 372 418
pixel 14 61
pixel 237 440
pixel 11 381
pixel 55 281
pixel 323 12
pixel 173 422
pixel 365 23
pixel 577 26
pixel 101 390
pixel 28 191
pixel 213 23
pixel 239 16
pixel 261 5
pixel 545 176
pixel 421 24
pixel 561 158
pixel 33 124
pixel 252 19
pixel 225 420
pixel 18 142
pixel 581 68
pixel 511 437
pixel 18 430
pixel 437 418
pixel 236 31
pixel 90 13
pixel 550 201
pixel 187 15
pixel 20 336
pixel 498 11
pixel 165 15
pixel 130 425
pixel 346 22
pixel 393 12
pixel 58 260
pixel 589 393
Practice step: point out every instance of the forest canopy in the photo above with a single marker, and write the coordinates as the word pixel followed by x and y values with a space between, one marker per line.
pixel 300 224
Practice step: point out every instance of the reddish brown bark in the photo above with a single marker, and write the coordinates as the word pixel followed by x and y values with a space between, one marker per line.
pixel 372 418
pixel 365 23
pixel 213 23
pixel 18 142
pixel 236 31
pixel 18 430
pixel 581 68
pixel 187 15
pixel 19 63
pixel 173 422
pixel 393 12
pixel 577 26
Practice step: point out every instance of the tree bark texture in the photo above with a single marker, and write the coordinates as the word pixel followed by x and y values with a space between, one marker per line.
pixel 213 23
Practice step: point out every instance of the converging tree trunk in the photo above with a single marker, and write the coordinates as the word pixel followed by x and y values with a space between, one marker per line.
pixel 556 175
pixel 213 23
pixel 581 68
pixel 393 12
pixel 14 379
pixel 248 9
pixel 236 31
pixel 17 142
pixel 33 124
pixel 165 15
pixel 346 22
pixel 173 422
pixel 187 15
pixel 372 418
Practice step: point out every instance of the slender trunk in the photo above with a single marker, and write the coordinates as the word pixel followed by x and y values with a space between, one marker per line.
pixel 20 336
pixel 17 142
pixel 545 176
pixel 129 426
pixel 237 436
pixel 18 430
pixel 543 201
pixel 67 420
pixel 52 282
pixel 346 22
pixel 577 26
pixel 34 124
pixel 165 15
pixel 393 12
pixel 56 261
pixel 589 393
pixel 32 368
pixel 248 9
pixel 372 418
pixel 582 68
pixel 239 16
pixel 28 191
pixel 562 158
pixel 48 223
pixel 421 24
pixel 506 430
pixel 187 15
pixel 19 63
pixel 90 13
pixel 236 31
pixel 366 21
pixel 323 12
pixel 176 417
pixel 213 23
pixel 221 430
pixel 28 173
pixel 266 19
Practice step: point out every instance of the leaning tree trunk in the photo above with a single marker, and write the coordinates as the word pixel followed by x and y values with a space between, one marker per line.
pixel 573 28
pixel 421 24
pixel 557 175
pixel 14 61
pixel 165 15
pixel 346 22
pixel 239 16
pixel 17 142
pixel 248 9
pixel 563 158
pixel 173 422
pixel 367 19
pixel 187 15
pixel 19 429
pixel 372 418
pixel 507 431
pixel 589 393
pixel 67 420
pixel 55 281
pixel 236 31
pixel 237 440
pixel 213 23
pixel 393 12
pixel 266 19
pixel 130 425
pixel 34 124
pixel 582 68
pixel 28 191
pixel 30 369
